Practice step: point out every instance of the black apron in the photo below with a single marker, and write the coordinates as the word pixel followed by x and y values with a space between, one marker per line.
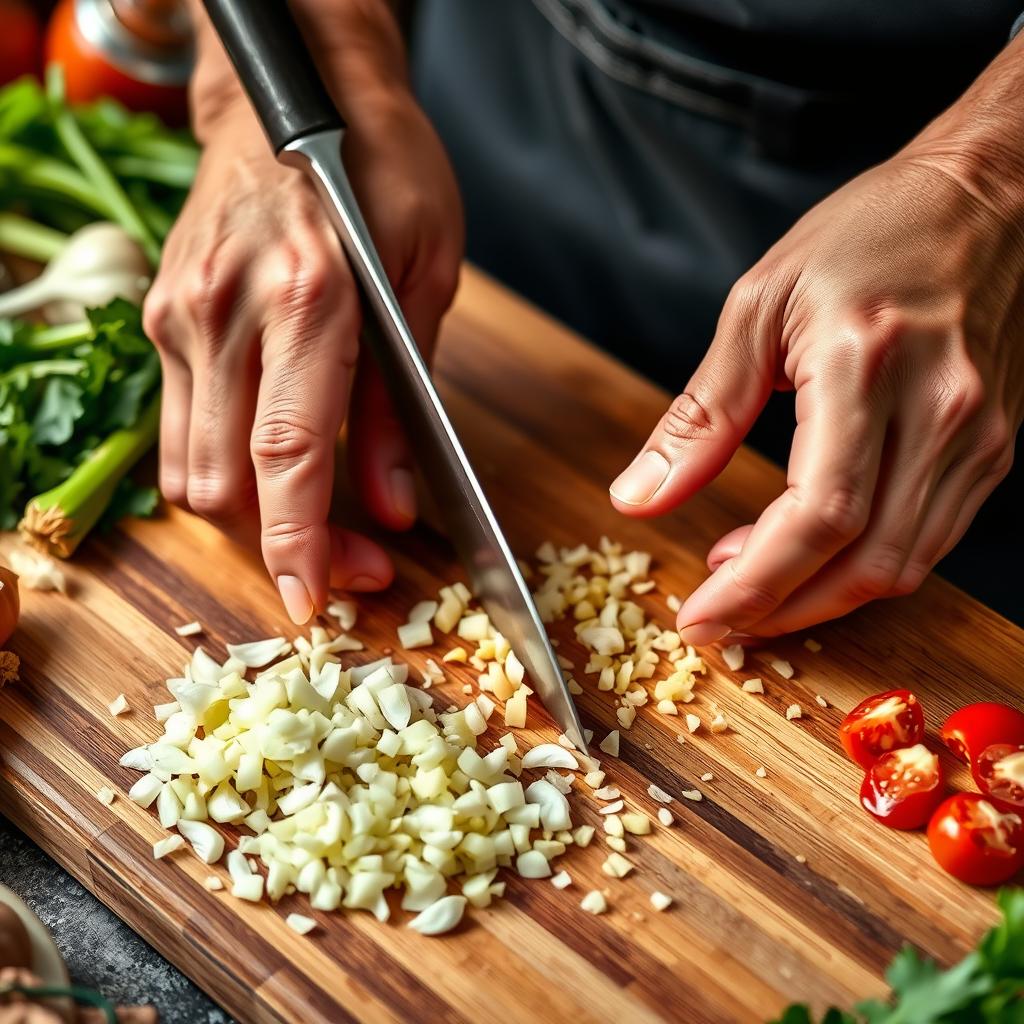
pixel 622 163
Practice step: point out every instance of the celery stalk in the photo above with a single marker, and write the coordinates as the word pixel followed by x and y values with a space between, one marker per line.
pixel 57 520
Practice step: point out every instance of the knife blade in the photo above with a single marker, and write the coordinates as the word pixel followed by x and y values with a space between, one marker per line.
pixel 305 130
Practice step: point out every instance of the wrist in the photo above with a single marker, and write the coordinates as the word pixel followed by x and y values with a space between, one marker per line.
pixel 357 47
pixel 980 139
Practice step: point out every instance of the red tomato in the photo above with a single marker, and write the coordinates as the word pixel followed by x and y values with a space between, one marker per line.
pixel 903 787
pixel 19 40
pixel 999 773
pixel 970 730
pixel 89 74
pixel 975 841
pixel 880 724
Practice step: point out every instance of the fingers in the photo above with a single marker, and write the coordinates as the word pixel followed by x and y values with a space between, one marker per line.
pixel 871 567
pixel 728 546
pixel 309 350
pixel 837 450
pixel 221 481
pixel 175 413
pixel 380 462
pixel 704 425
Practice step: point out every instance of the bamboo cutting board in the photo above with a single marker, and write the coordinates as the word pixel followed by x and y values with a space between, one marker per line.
pixel 784 889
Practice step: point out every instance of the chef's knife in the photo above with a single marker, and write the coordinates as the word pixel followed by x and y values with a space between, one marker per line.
pixel 305 131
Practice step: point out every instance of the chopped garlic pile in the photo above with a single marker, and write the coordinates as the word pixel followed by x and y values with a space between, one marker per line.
pixel 349 783
pixel 594 587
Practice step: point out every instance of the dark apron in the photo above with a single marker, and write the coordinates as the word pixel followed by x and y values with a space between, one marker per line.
pixel 623 163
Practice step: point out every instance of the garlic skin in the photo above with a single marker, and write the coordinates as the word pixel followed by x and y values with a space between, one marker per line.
pixel 101 262
pixel 10 604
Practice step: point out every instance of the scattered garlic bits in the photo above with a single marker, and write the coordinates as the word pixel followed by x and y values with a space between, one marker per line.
pixel 119 705
pixel 660 901
pixel 733 656
pixel 35 571
pixel 794 711
pixel 755 685
pixel 189 629
pixel 594 587
pixel 820 701
pixel 345 784
pixel 300 923
pixel 812 645
pixel 594 902
pixel 106 795
pixel 784 668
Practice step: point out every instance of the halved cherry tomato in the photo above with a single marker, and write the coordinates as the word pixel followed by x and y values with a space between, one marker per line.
pixel 999 773
pixel 903 787
pixel 970 730
pixel 882 723
pixel 975 841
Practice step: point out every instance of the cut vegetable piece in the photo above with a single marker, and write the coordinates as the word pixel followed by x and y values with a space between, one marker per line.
pixel 562 880
pixel 207 842
pixel 692 794
pixel 657 793
pixel 188 629
pixel 259 653
pixel 533 864
pixel 794 711
pixel 820 701
pixel 105 795
pixel 550 755
pixel 660 901
pixel 415 634
pixel 784 668
pixel 719 723
pixel 812 645
pixel 610 744
pixel 692 723
pixel 594 902
pixel 733 656
pixel 163 847
pixel 754 685
pixel 300 923
pixel 344 612
pixel 616 866
pixel 119 705
pixel 212 883
pixel 762 772
pixel 665 817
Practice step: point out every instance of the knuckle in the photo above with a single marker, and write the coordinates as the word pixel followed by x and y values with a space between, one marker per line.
pixel 174 488
pixel 835 518
pixel 281 440
pixel 961 396
pixel 910 579
pixel 755 599
pixel 214 497
pixel 156 316
pixel 277 536
pixel 687 419
pixel 995 443
pixel 878 573
pixel 299 283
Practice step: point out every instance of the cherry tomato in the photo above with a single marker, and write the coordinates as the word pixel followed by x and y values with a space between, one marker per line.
pixel 89 74
pixel 975 841
pixel 999 773
pixel 903 787
pixel 970 730
pixel 19 40
pixel 880 724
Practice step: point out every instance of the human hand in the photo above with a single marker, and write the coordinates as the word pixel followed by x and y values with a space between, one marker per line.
pixel 895 308
pixel 256 317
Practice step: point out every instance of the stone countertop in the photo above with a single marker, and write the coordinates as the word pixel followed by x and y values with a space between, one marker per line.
pixel 101 951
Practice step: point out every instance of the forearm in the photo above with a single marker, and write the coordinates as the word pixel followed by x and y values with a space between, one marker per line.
pixel 980 138
pixel 356 44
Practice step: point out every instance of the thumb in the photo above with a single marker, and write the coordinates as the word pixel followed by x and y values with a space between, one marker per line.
pixel 703 426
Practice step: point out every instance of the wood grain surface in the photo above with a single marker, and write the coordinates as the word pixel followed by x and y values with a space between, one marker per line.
pixel 784 889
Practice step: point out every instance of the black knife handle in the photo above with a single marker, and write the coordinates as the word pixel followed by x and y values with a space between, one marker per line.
pixel 275 67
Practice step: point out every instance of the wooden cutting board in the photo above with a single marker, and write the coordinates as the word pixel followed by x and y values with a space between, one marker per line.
pixel 784 889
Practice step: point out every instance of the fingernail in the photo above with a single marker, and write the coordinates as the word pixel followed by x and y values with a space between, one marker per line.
pixel 640 482
pixel 297 602
pixel 700 633
pixel 403 492
pixel 364 582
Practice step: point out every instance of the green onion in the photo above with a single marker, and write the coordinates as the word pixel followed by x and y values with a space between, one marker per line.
pixel 95 170
pixel 23 237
